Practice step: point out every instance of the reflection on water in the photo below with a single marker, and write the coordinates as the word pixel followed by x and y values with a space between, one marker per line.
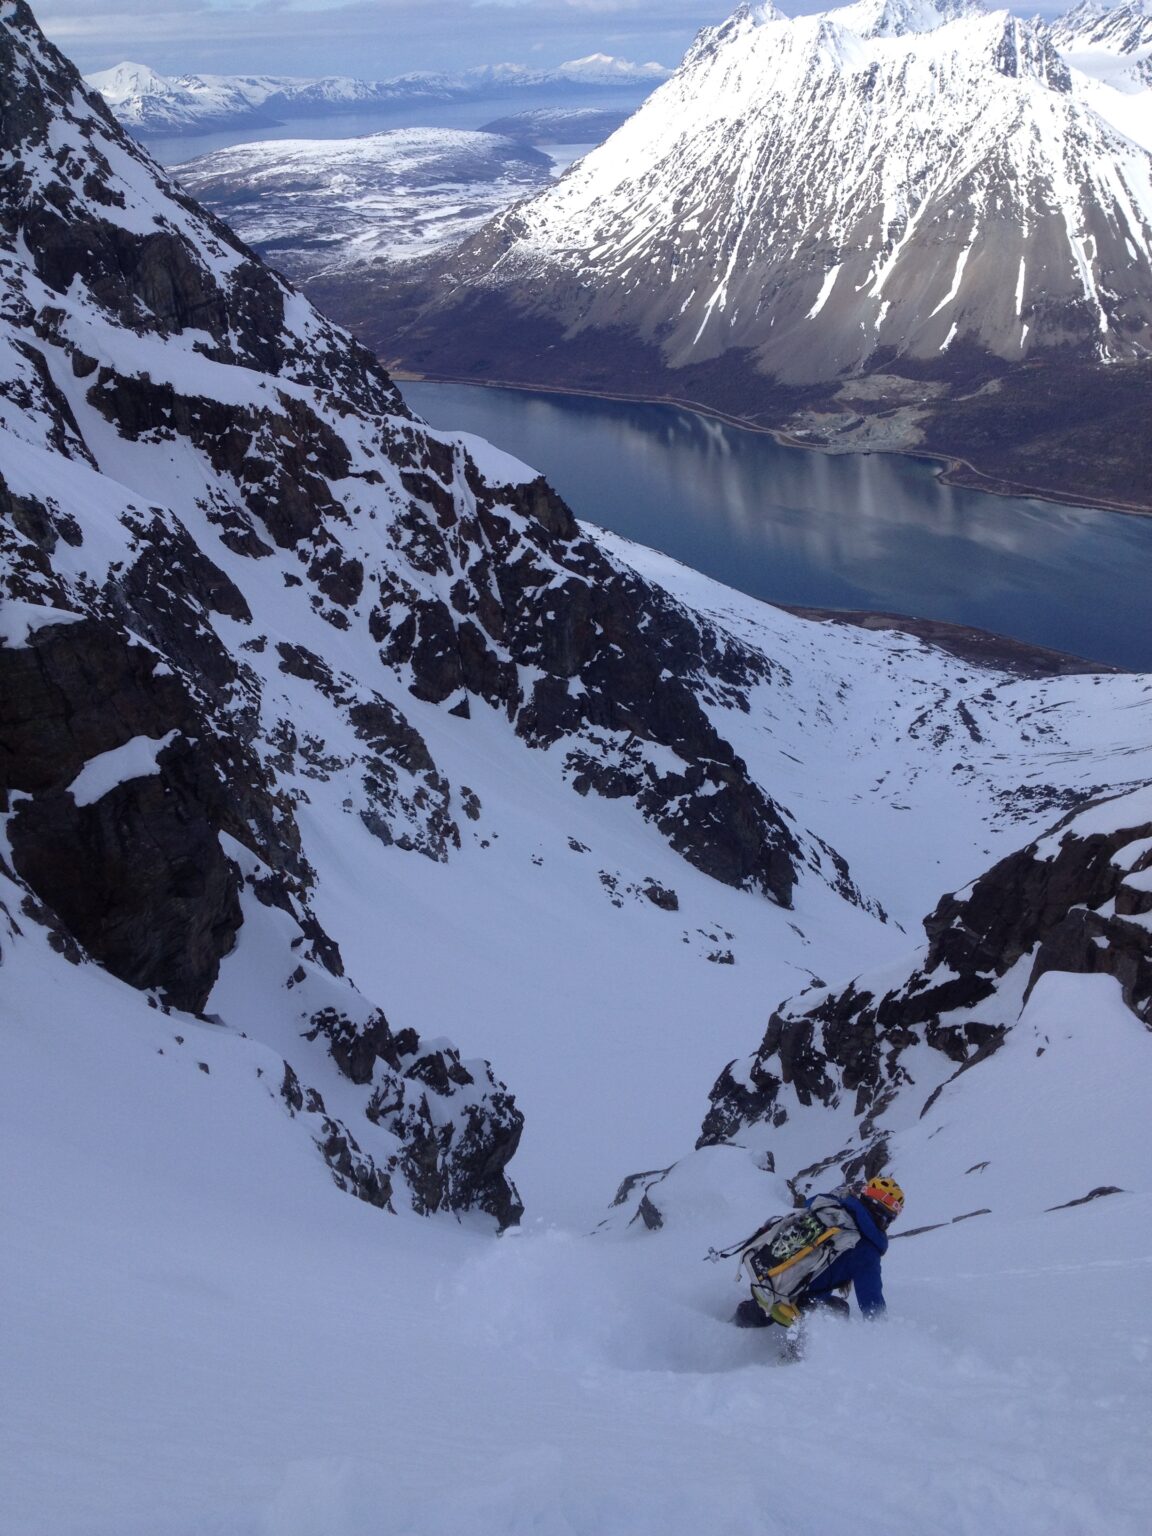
pixel 873 531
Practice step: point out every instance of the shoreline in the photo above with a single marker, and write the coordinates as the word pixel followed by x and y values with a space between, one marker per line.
pixel 970 643
pixel 967 642
pixel 950 463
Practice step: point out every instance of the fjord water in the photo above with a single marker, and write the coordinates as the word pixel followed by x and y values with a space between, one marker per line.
pixel 467 113
pixel 858 531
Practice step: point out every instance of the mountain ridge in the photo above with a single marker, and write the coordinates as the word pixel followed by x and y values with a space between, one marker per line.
pixel 149 103
pixel 220 521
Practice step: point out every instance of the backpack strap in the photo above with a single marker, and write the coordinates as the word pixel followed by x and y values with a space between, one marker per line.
pixel 714 1255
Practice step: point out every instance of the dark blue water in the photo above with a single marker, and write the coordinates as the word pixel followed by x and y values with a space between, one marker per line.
pixel 866 531
pixel 175 149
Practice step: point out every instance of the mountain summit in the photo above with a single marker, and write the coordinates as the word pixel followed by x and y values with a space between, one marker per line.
pixel 897 187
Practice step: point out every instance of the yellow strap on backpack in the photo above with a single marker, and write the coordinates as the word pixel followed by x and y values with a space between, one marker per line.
pixel 830 1232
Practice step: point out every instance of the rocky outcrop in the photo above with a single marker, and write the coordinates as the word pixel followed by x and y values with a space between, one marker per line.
pixel 457 1128
pixel 148 759
pixel 1070 902
pixel 1076 900
pixel 352 1169
pixel 620 669
pixel 455 1131
pixel 136 873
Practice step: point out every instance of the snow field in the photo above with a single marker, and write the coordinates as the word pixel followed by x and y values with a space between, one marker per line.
pixel 332 205
pixel 202 1337
pixel 608 1022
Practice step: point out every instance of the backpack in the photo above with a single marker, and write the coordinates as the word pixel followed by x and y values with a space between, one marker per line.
pixel 791 1251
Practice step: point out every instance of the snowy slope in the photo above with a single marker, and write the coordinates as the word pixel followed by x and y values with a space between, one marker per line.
pixel 1062 920
pixel 318 206
pixel 199 1339
pixel 885 181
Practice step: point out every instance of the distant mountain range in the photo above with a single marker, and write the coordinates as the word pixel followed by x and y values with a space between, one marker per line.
pixel 558 125
pixel 149 103
pixel 1114 43
pixel 895 224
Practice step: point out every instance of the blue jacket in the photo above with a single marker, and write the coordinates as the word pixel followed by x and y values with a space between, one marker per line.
pixel 860 1265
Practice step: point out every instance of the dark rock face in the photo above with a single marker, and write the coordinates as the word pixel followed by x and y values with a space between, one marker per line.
pixel 138 877
pixel 1068 908
pixel 1064 903
pixel 625 669
pixel 77 690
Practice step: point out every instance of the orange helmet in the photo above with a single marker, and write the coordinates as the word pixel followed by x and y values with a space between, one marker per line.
pixel 887 1193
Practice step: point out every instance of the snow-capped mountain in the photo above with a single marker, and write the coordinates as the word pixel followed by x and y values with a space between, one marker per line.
pixel 859 181
pixel 889 188
pixel 146 101
pixel 149 103
pixel 599 69
pixel 316 207
pixel 1110 53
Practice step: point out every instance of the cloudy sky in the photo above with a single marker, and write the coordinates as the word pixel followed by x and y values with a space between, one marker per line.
pixel 375 38
pixel 369 38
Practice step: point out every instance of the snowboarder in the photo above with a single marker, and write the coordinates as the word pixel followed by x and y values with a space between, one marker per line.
pixel 800 1262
